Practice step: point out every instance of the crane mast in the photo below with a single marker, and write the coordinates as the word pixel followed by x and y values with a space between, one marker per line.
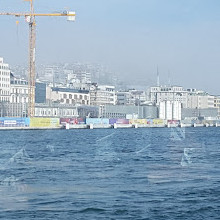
pixel 30 18
pixel 32 74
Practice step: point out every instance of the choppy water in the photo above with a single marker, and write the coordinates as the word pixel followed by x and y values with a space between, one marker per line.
pixel 110 174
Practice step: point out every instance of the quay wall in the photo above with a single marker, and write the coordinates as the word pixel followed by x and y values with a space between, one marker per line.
pixel 55 123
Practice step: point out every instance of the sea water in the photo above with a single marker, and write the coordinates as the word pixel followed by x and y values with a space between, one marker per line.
pixel 149 173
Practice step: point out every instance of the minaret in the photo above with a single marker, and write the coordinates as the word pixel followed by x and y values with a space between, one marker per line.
pixel 169 79
pixel 158 77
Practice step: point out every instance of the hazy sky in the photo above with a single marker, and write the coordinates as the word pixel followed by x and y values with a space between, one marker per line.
pixel 131 37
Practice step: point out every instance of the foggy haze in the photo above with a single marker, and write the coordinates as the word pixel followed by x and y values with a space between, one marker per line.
pixel 131 37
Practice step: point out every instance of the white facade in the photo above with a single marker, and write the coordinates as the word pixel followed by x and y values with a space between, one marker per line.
pixel 217 104
pixel 19 90
pixel 4 81
pixel 68 96
pixel 131 97
pixel 159 94
pixel 170 110
pixel 102 95
pixel 55 111
pixel 177 111
pixel 200 100
pixel 162 110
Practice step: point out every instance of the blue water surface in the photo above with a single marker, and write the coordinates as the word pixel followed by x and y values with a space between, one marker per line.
pixel 149 173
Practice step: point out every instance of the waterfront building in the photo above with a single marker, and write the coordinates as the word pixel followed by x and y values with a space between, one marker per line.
pixel 129 111
pixel 102 95
pixel 19 90
pixel 195 113
pixel 217 104
pixel 170 110
pixel 88 111
pixel 199 99
pixel 55 110
pixel 131 97
pixel 4 81
pixel 18 106
pixel 67 96
pixel 157 94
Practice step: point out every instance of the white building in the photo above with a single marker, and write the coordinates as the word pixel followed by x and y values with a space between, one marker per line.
pixel 159 94
pixel 131 97
pixel 217 104
pixel 67 96
pixel 81 77
pixel 19 90
pixel 170 110
pixel 200 100
pixel 102 95
pixel 4 81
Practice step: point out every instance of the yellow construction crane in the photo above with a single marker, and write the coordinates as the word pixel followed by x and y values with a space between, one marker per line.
pixel 30 18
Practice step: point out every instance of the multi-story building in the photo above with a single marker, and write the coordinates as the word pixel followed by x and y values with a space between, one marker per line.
pixel 4 81
pixel 131 97
pixel 19 90
pixel 102 95
pixel 157 94
pixel 82 77
pixel 200 100
pixel 217 104
pixel 67 96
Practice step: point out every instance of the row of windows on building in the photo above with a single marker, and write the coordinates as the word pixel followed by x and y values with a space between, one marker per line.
pixel 4 85
pixel 104 94
pixel 4 99
pixel 114 115
pixel 102 99
pixel 173 99
pixel 74 101
pixel 20 91
pixel 54 112
pixel 4 79
pixel 19 82
pixel 3 92
pixel 19 99
pixel 3 67
pixel 70 96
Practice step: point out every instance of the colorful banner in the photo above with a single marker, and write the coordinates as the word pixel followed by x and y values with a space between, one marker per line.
pixel 122 121
pixel 149 121
pixel 118 121
pixel 14 122
pixel 44 122
pixel 97 121
pixel 63 121
pixel 175 122
pixel 159 122
pixel 138 121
